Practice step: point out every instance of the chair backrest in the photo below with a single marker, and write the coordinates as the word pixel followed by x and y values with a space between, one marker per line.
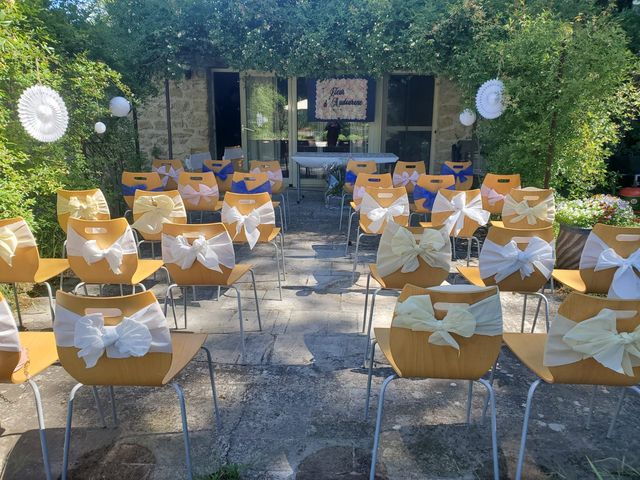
pixel 148 369
pixel 19 258
pixel 529 208
pixel 577 308
pixel 495 187
pixel 496 263
pixel 223 170
pixel 462 171
pixel 199 191
pixel 197 157
pixel 151 210
pixel 426 189
pixel 443 216
pixel 235 154
pixel 245 204
pixel 249 182
pixel 406 174
pixel 169 171
pixel 394 199
pixel 132 181
pixel 355 168
pixel 273 170
pixel 625 242
pixel 414 352
pixel 427 268
pixel 85 204
pixel 10 349
pixel 96 268
pixel 370 180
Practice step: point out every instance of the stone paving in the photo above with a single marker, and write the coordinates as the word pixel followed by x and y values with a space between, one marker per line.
pixel 293 409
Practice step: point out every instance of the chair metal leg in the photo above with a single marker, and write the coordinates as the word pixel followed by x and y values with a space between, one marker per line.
pixel 592 398
pixel 278 267
pixel 15 296
pixel 241 321
pixel 373 304
pixel 167 297
pixel 619 407
pixel 185 429
pixel 366 300
pixel 64 255
pixel 469 399
pixel 355 257
pixel 346 248
pixel 376 436
pixel 121 290
pixel 494 428
pixel 50 295
pixel 67 432
pixel 524 313
pixel 525 426
pixel 96 398
pixel 369 376
pixel 341 212
pixel 212 377
pixel 41 429
pixel 486 400
pixel 284 269
pixel 469 241
pixel 255 295
pixel 114 410
pixel 542 297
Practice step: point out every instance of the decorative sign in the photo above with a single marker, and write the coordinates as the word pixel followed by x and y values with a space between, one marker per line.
pixel 350 99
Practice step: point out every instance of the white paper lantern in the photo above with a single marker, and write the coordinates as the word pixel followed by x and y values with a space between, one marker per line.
pixel 43 113
pixel 489 99
pixel 119 106
pixel 100 128
pixel 467 117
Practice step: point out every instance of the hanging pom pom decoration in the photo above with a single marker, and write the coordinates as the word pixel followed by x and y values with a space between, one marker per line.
pixel 100 128
pixel 119 106
pixel 42 113
pixel 489 99
pixel 467 117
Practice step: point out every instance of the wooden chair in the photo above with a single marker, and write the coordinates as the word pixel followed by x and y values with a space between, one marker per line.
pixel 502 264
pixel 415 349
pixel 223 170
pixel 407 255
pixel 406 174
pixel 462 171
pixel 495 187
pixel 155 362
pixel 251 182
pixel 20 261
pixel 380 206
pixel 199 192
pixel 202 255
pixel 85 204
pixel 104 252
pixel 132 181
pixel 196 158
pixel 250 219
pixel 23 355
pixel 425 191
pixel 617 249
pixel 353 169
pixel 556 357
pixel 235 155
pixel 274 171
pixel 169 171
pixel 528 208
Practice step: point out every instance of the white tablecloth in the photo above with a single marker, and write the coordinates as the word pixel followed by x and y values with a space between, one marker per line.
pixel 321 159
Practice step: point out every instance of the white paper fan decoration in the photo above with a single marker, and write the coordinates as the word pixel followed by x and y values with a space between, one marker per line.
pixel 43 113
pixel 489 99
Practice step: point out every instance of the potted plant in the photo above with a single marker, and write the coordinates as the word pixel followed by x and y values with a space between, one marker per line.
pixel 576 218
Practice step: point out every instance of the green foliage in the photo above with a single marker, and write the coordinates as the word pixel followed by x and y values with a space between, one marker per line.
pixel 587 212
pixel 230 471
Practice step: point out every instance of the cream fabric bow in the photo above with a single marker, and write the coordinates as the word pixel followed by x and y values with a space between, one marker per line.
pixel 597 338
pixel 491 195
pixel 459 211
pixel 13 236
pixel 77 245
pixel 274 175
pixel 403 179
pixel 417 314
pixel 166 172
pixel 263 215
pixel 543 211
pixel 87 209
pixel 379 215
pixel 9 336
pixel 210 253
pixel 204 192
pixel 144 331
pixel 502 261
pixel 154 210
pixel 399 250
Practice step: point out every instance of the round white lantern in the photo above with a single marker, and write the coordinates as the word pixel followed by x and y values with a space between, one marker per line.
pixel 119 106
pixel 467 117
pixel 100 128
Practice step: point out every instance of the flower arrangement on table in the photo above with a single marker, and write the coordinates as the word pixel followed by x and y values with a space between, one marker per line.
pixel 586 212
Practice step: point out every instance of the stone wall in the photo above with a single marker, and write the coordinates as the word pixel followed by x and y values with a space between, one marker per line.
pixel 189 119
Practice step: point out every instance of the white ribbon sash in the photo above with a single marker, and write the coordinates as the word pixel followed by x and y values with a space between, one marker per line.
pixel 399 250
pixel 379 215
pixel 13 236
pixel 598 338
pixel 358 193
pixel 262 215
pixel 599 256
pixel 155 210
pixel 87 208
pixel 491 195
pixel 403 179
pixel 481 318
pixel 166 172
pixel 204 192
pixel 9 337
pixel 274 175
pixel 211 253
pixel 459 211
pixel 504 260
pixel 78 246
pixel 143 332
pixel 544 211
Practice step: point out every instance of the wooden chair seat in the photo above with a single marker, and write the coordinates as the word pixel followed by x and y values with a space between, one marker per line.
pixel 472 275
pixel 49 268
pixel 382 337
pixel 529 348
pixel 276 203
pixel 185 346
pixel 43 353
pixel 238 272
pixel 571 279
pixel 426 224
pixel 353 205
pixel 497 223
pixel 146 268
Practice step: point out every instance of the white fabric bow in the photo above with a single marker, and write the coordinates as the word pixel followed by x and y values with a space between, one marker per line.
pixel 154 210
pixel 204 192
pixel 166 172
pixel 9 336
pixel 77 245
pixel 491 195
pixel 87 208
pixel 379 215
pixel 503 260
pixel 460 209
pixel 211 253
pixel 399 250
pixel 597 338
pixel 262 215
pixel 403 179
pixel 274 175
pixel 144 331
pixel 358 193
pixel 13 236
pixel 599 256
pixel 520 210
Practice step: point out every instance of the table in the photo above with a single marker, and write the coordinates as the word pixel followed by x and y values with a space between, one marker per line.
pixel 323 159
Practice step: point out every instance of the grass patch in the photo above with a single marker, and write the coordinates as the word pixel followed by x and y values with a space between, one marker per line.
pixel 613 468
pixel 226 472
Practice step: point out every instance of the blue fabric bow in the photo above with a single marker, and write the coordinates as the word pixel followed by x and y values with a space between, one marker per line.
pixel 223 173
pixel 241 187
pixel 350 177
pixel 429 197
pixel 130 190
pixel 461 176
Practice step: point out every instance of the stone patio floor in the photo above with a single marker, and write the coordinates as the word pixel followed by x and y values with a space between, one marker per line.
pixel 294 408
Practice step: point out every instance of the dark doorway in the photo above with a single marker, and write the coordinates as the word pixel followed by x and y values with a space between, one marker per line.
pixel 226 108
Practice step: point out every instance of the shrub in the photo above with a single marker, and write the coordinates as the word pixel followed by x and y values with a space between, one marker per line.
pixel 585 213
